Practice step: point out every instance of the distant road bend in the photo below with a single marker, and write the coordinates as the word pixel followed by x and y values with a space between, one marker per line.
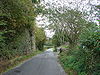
pixel 42 64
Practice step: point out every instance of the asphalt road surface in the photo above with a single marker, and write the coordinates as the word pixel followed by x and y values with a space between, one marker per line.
pixel 42 64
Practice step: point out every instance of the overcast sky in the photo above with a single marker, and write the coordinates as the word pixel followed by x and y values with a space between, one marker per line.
pixel 68 3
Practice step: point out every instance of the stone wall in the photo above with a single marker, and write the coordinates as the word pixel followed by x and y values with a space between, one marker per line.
pixel 23 44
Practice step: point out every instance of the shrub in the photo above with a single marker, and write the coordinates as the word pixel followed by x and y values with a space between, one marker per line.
pixel 85 59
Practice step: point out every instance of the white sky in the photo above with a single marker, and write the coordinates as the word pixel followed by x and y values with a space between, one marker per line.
pixel 42 22
pixel 69 3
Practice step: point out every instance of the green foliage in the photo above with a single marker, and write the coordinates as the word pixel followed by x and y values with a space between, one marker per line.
pixel 67 25
pixel 48 44
pixel 85 59
pixel 56 41
pixel 40 38
pixel 17 20
pixel 17 60
pixel 83 37
pixel 36 1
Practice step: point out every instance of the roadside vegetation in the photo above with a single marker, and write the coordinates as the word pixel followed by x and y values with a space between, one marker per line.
pixel 76 27
pixel 20 37
pixel 78 36
pixel 48 44
pixel 9 64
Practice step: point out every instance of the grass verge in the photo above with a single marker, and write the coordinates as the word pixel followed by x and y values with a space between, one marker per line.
pixel 63 61
pixel 9 64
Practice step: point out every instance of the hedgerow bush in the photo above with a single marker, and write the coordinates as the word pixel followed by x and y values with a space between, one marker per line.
pixel 85 59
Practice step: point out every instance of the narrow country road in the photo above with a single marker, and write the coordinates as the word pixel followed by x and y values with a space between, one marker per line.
pixel 42 64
